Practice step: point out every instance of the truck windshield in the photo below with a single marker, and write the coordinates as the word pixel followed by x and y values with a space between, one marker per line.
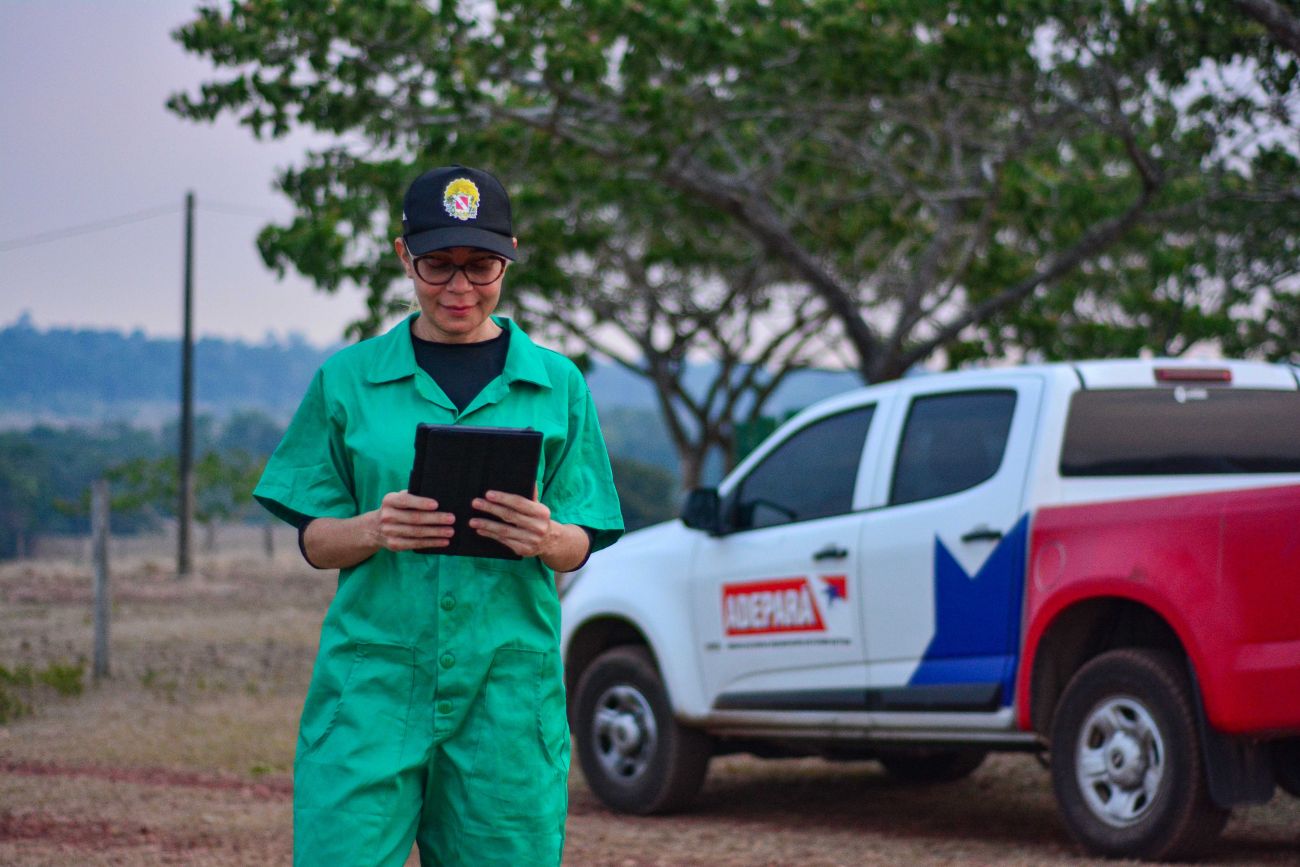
pixel 1181 431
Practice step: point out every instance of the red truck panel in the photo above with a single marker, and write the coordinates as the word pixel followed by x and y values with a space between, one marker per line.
pixel 1223 569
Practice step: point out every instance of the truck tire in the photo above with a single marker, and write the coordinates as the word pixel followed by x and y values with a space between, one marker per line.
pixel 931 765
pixel 1286 766
pixel 1126 757
pixel 634 754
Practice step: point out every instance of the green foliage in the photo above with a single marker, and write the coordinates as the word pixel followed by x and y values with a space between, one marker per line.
pixel 223 485
pixel 20 480
pixel 751 434
pixel 11 707
pixel 637 434
pixel 969 145
pixel 19 685
pixel 647 494
pixel 66 680
pixel 250 431
pixel 959 180
pixel 45 475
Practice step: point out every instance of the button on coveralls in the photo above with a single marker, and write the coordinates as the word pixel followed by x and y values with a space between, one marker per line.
pixel 436 708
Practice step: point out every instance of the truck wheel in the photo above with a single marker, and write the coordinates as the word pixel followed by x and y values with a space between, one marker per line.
pixel 635 756
pixel 1286 766
pixel 930 765
pixel 1126 759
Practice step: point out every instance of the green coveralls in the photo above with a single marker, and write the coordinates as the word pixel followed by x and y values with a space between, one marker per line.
pixel 436 708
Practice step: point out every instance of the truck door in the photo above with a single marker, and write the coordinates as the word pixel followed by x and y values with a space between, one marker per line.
pixel 775 596
pixel 944 549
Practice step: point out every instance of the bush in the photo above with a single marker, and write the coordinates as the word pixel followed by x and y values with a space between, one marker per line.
pixel 19 684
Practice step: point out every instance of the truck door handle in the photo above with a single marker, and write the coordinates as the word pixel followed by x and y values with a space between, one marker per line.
pixel 831 552
pixel 982 533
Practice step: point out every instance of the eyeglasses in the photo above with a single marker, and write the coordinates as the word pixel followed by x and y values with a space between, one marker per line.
pixel 439 270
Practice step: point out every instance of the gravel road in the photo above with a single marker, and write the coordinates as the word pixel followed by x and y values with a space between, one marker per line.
pixel 183 757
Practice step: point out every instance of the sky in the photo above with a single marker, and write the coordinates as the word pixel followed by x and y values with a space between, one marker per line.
pixel 85 138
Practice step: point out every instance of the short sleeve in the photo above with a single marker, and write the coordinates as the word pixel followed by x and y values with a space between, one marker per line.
pixel 308 474
pixel 580 486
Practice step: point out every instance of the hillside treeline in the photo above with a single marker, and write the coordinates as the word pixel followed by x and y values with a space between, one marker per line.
pixel 46 472
pixel 78 373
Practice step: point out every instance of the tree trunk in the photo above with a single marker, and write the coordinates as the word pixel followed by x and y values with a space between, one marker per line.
pixel 692 464
pixel 728 446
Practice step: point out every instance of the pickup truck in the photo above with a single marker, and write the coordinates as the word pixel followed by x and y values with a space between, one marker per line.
pixel 1098 561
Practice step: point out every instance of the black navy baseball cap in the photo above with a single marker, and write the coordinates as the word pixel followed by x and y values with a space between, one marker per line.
pixel 455 206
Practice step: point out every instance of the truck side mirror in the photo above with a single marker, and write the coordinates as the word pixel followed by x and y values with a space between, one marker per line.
pixel 703 511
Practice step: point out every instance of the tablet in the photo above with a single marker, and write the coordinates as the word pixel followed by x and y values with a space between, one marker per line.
pixel 454 464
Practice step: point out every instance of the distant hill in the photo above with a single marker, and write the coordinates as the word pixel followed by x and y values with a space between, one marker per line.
pixel 64 375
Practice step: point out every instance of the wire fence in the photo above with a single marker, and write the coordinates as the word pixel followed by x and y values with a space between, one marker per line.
pixel 245 540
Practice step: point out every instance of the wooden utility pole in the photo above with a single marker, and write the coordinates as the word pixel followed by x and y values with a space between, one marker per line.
pixel 185 510
pixel 99 535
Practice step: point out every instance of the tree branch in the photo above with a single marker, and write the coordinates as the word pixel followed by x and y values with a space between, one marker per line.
pixel 1092 242
pixel 1281 23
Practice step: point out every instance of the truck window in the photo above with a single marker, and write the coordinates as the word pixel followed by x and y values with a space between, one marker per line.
pixel 1181 431
pixel 951 442
pixel 810 475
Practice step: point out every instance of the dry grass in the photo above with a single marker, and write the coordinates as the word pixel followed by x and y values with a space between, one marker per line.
pixel 183 756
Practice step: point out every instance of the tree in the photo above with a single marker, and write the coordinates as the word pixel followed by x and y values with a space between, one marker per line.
pixel 251 431
pixel 223 487
pixel 223 484
pixel 646 493
pixel 1203 106
pixel 658 292
pixel 20 495
pixel 944 179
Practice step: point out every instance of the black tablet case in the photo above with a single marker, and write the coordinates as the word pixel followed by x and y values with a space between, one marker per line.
pixel 454 464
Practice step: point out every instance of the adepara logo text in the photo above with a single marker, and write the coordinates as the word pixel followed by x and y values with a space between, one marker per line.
pixel 765 607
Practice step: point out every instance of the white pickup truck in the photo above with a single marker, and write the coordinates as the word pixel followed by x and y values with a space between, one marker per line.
pixel 1098 560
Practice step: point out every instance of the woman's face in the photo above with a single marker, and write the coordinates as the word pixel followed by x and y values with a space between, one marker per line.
pixel 457 311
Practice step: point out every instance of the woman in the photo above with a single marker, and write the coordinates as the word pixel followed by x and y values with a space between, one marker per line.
pixel 436 708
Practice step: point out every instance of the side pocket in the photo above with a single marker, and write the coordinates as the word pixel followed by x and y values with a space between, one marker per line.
pixel 514 770
pixel 552 713
pixel 324 696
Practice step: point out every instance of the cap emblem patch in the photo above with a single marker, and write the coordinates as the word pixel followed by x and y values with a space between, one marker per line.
pixel 460 199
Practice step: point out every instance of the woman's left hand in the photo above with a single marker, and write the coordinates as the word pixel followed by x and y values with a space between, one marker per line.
pixel 524 525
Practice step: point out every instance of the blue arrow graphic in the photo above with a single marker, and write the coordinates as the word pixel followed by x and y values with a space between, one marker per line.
pixel 977 618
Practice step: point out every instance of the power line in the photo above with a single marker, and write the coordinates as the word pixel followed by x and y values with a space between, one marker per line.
pixel 235 210
pixel 84 228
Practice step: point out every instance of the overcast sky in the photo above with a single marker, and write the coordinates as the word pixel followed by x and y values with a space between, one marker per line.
pixel 84 137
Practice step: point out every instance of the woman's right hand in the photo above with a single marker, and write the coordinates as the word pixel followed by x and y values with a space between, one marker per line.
pixel 407 522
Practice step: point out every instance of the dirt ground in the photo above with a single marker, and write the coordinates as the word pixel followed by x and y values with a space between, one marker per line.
pixel 183 756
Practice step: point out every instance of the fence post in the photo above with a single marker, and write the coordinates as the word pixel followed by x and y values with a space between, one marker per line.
pixel 99 531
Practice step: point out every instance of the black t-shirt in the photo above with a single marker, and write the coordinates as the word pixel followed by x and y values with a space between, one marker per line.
pixel 462 369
